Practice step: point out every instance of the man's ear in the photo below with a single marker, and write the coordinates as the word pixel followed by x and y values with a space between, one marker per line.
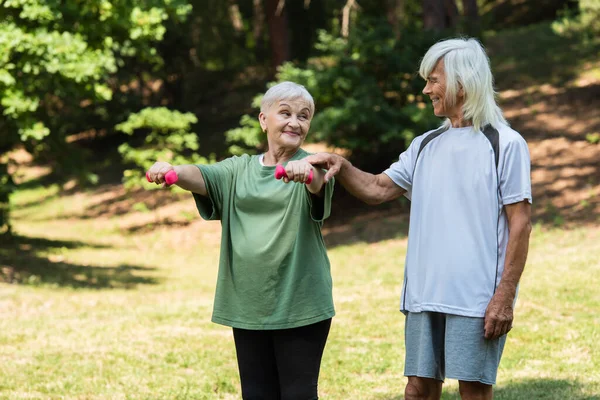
pixel 262 119
pixel 461 91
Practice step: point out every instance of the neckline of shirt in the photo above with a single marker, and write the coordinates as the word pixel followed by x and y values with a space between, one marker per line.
pixel 261 158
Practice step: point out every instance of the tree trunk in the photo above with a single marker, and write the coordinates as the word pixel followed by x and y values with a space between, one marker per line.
pixel 394 9
pixel 258 26
pixel 451 13
pixel 439 14
pixel 278 32
pixel 6 188
pixel 471 12
pixel 434 15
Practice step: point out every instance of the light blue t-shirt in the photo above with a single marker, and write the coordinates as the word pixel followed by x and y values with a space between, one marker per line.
pixel 458 230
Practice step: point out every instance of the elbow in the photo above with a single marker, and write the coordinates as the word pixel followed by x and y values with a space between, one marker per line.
pixel 526 224
pixel 373 201
pixel 528 227
pixel 378 197
pixel 377 192
pixel 523 226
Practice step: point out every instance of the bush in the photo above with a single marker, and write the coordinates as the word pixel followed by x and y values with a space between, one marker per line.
pixel 584 21
pixel 165 136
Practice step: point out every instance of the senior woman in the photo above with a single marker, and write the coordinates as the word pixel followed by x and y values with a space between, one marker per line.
pixel 274 284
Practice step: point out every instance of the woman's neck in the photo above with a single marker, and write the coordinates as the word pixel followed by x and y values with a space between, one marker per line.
pixel 278 155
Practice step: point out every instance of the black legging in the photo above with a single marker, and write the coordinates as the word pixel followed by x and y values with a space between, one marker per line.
pixel 281 364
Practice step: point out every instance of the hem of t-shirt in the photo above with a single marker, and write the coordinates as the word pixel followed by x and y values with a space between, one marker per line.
pixel 445 309
pixel 516 198
pixel 282 325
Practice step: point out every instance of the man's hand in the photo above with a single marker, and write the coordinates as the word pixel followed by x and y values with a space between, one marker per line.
pixel 329 161
pixel 498 316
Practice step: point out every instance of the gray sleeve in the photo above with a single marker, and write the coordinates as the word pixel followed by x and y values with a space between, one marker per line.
pixel 401 172
pixel 515 175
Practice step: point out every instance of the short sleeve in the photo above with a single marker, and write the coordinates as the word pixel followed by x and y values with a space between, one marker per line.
pixel 218 179
pixel 320 207
pixel 401 172
pixel 515 175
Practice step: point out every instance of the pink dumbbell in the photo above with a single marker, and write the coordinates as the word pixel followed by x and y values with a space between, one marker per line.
pixel 170 177
pixel 280 173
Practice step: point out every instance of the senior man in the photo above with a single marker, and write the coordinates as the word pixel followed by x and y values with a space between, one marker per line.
pixel 470 190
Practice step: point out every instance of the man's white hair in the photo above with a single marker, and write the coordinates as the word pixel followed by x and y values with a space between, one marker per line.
pixel 286 91
pixel 466 65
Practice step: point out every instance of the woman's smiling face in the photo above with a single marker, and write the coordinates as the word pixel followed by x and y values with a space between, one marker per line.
pixel 287 122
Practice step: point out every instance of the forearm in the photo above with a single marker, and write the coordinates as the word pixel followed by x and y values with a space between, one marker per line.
pixel 362 185
pixel 316 185
pixel 516 255
pixel 190 178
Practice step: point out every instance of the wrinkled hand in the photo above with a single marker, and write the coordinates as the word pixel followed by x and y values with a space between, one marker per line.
pixel 297 171
pixel 498 316
pixel 157 172
pixel 329 161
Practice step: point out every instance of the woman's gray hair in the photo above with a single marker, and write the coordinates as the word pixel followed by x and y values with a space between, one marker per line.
pixel 466 65
pixel 286 91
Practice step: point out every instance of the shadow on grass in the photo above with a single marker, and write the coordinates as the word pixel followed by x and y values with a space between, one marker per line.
pixel 149 227
pixel 538 389
pixel 20 263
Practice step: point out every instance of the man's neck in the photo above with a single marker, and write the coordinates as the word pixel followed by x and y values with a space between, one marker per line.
pixel 460 122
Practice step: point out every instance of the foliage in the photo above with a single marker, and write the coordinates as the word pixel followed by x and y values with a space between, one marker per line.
pixel 366 90
pixel 585 20
pixel 167 137
pixel 58 66
pixel 593 138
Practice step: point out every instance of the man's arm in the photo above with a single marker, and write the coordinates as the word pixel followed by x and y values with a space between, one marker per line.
pixel 499 313
pixel 372 189
pixel 189 176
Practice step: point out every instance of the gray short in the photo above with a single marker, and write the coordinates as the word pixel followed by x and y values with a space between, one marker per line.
pixel 443 345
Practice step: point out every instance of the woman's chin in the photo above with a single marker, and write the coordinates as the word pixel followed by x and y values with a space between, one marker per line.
pixel 292 141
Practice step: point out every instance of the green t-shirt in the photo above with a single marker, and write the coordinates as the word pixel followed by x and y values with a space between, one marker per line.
pixel 274 272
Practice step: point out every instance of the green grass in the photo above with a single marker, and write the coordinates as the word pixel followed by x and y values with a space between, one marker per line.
pixel 104 311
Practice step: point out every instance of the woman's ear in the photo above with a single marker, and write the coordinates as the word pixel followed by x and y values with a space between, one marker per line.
pixel 262 119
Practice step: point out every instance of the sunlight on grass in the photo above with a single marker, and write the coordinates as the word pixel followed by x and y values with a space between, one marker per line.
pixel 114 315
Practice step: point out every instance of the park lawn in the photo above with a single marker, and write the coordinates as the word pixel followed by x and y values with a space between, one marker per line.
pixel 116 304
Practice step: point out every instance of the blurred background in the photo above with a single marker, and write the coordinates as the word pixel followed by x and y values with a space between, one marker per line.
pixel 106 283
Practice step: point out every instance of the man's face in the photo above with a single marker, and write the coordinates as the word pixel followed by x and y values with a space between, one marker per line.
pixel 435 88
pixel 287 122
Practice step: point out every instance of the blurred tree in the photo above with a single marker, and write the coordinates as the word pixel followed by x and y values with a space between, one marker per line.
pixel 278 31
pixel 166 137
pixel 365 87
pixel 59 64
pixel 439 14
pixel 584 21
pixel 471 16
